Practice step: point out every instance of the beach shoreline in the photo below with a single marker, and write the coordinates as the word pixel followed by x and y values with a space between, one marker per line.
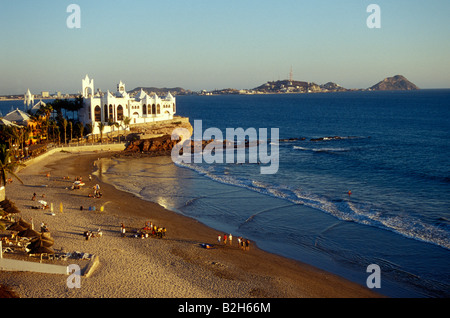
pixel 176 266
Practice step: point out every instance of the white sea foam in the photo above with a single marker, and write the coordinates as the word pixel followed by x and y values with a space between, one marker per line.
pixel 360 212
pixel 322 149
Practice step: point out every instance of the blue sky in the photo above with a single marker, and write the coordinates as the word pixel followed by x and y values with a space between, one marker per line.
pixel 207 44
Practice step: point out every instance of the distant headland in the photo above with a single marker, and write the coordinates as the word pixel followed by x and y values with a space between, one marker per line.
pixel 397 82
pixel 288 86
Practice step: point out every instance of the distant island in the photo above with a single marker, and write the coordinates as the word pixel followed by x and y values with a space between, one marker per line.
pixel 397 82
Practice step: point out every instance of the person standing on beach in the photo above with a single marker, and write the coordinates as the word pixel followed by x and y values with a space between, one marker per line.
pixel 230 237
pixel 219 238
pixel 225 239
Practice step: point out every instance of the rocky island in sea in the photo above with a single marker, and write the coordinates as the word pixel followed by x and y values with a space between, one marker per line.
pixel 395 83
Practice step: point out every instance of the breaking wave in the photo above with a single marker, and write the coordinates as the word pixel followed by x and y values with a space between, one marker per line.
pixel 365 213
pixel 323 149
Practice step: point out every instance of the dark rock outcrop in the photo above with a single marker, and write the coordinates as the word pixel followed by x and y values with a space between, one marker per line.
pixel 157 144
pixel 394 83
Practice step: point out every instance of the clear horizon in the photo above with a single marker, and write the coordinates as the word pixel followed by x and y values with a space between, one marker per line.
pixel 201 44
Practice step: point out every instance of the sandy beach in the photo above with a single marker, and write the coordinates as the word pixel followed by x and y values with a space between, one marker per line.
pixel 176 266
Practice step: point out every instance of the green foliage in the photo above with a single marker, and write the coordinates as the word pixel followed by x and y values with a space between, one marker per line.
pixel 7 166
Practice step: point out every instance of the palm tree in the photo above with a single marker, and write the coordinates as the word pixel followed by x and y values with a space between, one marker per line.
pixel 81 129
pixel 117 125
pixel 90 130
pixel 71 130
pixel 46 112
pixel 64 123
pixel 111 123
pixel 6 167
pixel 54 126
pixel 8 133
pixel 126 122
pixel 101 126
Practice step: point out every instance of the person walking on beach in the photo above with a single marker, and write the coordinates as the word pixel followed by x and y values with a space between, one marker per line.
pixel 219 238
pixel 230 237
pixel 122 230
pixel 225 239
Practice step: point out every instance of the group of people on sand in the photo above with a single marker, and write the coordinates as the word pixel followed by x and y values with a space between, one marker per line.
pixel 243 243
pixel 97 194
pixel 89 234
pixel 149 230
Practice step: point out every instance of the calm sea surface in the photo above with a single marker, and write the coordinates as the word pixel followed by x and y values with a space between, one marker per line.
pixel 393 155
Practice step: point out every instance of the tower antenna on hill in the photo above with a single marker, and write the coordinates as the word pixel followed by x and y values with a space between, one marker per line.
pixel 291 75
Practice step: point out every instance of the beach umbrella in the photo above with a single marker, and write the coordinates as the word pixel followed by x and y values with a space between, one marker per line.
pixel 24 224
pixel 46 236
pixel 7 204
pixel 29 233
pixel 47 241
pixel 10 208
pixel 37 242
pixel 42 250
pixel 16 227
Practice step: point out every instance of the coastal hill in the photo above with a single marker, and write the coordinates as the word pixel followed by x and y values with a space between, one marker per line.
pixel 395 83
pixel 288 86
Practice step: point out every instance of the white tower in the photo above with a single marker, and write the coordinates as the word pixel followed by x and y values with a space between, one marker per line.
pixel 87 84
pixel 121 87
pixel 28 99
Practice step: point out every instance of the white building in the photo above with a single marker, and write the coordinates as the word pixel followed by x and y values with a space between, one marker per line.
pixel 28 99
pixel 115 107
pixel 37 107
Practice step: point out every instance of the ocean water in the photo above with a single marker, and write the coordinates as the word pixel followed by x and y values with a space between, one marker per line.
pixel 393 154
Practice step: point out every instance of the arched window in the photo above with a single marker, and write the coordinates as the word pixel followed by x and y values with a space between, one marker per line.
pixel 158 109
pixel 153 109
pixel 119 112
pixel 87 91
pixel 144 109
pixel 135 116
pixel 174 108
pixel 111 112
pixel 97 114
pixel 105 112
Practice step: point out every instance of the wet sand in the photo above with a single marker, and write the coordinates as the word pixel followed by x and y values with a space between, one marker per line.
pixel 176 266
